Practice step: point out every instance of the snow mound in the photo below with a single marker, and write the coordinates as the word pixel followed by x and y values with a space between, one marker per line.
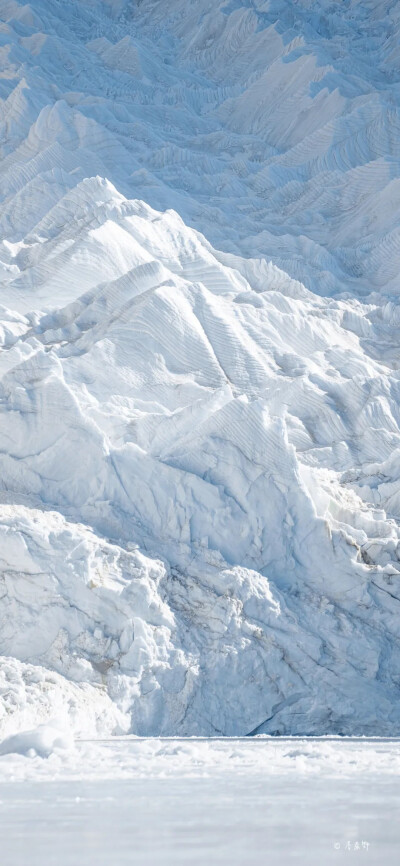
pixel 32 696
pixel 40 742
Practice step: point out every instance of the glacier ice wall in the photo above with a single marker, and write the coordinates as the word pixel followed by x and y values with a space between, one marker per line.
pixel 199 449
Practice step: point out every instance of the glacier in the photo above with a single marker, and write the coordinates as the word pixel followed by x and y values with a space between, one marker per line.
pixel 199 367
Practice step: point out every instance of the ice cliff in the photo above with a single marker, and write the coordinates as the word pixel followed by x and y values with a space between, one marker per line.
pixel 199 366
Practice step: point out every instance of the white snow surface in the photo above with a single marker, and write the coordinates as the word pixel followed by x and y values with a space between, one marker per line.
pixel 199 449
pixel 177 801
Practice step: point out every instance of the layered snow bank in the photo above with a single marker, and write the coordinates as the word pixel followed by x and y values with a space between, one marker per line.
pixel 199 458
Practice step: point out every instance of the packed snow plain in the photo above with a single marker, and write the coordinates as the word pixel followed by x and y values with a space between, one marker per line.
pixel 226 801
pixel 199 382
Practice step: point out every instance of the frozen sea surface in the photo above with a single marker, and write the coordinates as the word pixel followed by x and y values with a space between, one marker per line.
pixel 198 801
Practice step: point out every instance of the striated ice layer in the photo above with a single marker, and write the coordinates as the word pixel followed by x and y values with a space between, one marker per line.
pixel 199 456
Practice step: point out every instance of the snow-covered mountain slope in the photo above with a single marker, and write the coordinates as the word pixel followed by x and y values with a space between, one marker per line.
pixel 199 457
pixel 272 126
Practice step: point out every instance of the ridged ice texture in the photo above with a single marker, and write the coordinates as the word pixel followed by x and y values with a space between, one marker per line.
pixel 272 126
pixel 199 457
